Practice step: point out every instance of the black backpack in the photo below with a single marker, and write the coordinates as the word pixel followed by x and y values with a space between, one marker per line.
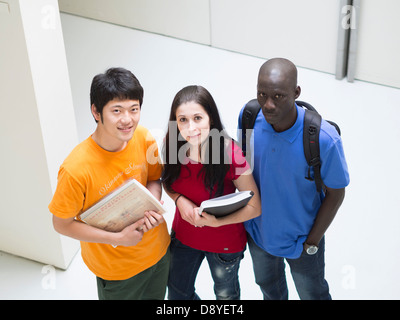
pixel 312 126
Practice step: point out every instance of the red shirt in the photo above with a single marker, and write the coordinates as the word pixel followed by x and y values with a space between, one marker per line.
pixel 226 239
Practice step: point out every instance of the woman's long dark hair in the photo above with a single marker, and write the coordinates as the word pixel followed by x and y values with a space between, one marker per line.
pixel 214 167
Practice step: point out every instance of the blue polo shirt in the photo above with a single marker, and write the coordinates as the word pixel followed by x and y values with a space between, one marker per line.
pixel 289 201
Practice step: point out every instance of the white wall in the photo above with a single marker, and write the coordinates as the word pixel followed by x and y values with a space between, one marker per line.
pixel 37 128
pixel 303 31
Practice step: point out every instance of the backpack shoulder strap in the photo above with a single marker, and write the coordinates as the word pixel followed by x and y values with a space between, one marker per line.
pixel 308 106
pixel 312 126
pixel 249 116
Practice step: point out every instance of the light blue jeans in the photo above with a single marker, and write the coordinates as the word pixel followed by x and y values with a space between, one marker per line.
pixel 308 272
pixel 185 264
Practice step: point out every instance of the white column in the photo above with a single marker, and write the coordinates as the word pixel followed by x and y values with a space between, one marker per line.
pixel 37 129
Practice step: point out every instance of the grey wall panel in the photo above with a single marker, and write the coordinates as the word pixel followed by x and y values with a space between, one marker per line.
pixel 378 42
pixel 183 19
pixel 303 31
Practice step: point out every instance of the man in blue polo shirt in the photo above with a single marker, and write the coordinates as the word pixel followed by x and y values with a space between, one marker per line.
pixel 294 215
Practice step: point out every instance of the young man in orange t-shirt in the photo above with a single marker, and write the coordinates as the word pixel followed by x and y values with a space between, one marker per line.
pixel 118 150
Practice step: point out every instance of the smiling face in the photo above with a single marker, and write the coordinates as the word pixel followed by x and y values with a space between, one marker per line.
pixel 193 122
pixel 116 124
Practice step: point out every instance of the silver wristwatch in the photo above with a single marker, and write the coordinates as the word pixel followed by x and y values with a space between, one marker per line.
pixel 312 250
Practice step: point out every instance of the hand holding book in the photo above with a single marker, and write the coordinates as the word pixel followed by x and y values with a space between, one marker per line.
pixel 211 211
pixel 227 204
pixel 205 220
pixel 122 207
pixel 130 235
pixel 152 219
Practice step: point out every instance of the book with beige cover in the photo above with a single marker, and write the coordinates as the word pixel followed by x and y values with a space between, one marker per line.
pixel 122 207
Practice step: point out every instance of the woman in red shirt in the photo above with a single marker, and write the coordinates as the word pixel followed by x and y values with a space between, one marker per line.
pixel 202 162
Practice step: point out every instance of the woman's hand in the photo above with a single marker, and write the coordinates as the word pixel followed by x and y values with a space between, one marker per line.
pixel 186 209
pixel 205 219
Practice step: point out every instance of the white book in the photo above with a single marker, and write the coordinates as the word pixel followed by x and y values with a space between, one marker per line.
pixel 224 205
pixel 122 207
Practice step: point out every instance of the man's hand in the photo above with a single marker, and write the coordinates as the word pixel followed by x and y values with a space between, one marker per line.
pixel 131 235
pixel 151 220
pixel 326 213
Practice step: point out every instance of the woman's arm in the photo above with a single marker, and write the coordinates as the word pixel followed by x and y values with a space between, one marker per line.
pixel 185 206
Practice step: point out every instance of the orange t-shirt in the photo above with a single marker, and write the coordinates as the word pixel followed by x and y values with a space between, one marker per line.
pixel 86 176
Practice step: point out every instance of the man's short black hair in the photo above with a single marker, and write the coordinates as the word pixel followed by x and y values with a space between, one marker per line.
pixel 115 83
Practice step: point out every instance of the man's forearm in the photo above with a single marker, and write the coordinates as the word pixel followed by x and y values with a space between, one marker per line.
pixel 82 232
pixel 155 188
pixel 129 236
pixel 327 212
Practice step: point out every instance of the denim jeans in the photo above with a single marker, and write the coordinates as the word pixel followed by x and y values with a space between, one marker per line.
pixel 185 264
pixel 308 272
